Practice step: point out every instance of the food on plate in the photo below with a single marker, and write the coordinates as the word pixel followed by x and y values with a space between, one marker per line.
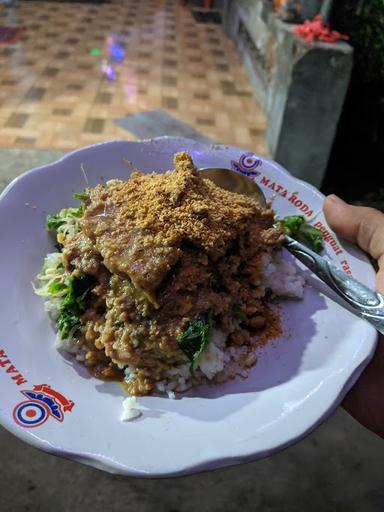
pixel 298 228
pixel 165 281
pixel 131 409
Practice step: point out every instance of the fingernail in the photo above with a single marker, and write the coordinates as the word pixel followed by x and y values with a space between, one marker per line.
pixel 335 199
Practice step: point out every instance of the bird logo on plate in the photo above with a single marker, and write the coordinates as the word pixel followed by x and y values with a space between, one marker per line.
pixel 247 164
pixel 42 403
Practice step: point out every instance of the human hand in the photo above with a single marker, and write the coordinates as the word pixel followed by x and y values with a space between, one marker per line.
pixel 365 228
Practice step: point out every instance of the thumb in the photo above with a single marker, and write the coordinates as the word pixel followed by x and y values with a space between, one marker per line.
pixel 360 225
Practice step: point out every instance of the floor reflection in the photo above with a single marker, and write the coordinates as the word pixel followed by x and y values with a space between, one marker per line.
pixel 78 67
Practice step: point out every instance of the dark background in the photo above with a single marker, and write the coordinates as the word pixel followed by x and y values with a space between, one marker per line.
pixel 355 170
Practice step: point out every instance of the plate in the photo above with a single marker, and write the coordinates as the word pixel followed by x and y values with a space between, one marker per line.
pixel 53 404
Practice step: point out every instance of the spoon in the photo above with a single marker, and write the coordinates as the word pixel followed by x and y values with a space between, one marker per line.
pixel 366 303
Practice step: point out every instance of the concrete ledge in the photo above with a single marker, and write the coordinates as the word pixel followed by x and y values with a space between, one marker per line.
pixel 300 86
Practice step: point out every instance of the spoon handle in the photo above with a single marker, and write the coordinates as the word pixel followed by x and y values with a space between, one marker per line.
pixel 366 303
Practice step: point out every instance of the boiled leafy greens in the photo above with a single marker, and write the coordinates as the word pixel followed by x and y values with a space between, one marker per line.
pixel 74 303
pixel 68 295
pixel 195 339
pixel 298 228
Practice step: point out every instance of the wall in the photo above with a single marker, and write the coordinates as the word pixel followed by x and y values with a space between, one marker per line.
pixel 301 87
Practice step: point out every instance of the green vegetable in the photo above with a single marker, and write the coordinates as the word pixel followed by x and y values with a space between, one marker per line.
pixel 311 237
pixel 56 287
pixel 291 224
pixel 81 196
pixel 59 219
pixel 74 303
pixel 298 228
pixel 54 222
pixel 52 277
pixel 66 221
pixel 67 218
pixel 68 294
pixel 195 339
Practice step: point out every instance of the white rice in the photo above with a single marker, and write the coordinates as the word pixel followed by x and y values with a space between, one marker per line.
pixel 130 409
pixel 212 360
pixel 281 277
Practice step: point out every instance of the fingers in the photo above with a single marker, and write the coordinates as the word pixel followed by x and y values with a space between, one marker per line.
pixel 380 277
pixel 364 227
pixel 360 225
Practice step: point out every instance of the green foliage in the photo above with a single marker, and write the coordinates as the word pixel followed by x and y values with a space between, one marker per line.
pixel 370 38
pixel 81 196
pixel 74 303
pixel 298 228
pixel 195 339
pixel 54 222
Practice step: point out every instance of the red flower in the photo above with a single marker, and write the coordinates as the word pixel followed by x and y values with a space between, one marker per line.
pixel 318 30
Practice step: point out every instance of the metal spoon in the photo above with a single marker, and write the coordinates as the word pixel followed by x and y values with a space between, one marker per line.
pixel 366 303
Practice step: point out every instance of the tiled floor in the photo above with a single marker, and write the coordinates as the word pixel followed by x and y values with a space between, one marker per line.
pixel 54 94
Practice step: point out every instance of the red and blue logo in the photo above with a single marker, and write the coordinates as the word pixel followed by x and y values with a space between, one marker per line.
pixel 42 403
pixel 247 164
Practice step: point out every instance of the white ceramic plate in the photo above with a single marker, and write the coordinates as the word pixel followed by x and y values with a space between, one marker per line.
pixel 53 404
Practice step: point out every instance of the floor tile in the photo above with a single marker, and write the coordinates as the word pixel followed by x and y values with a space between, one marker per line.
pixel 55 91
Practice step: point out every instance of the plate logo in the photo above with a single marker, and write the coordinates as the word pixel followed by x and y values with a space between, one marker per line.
pixel 42 402
pixel 247 164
